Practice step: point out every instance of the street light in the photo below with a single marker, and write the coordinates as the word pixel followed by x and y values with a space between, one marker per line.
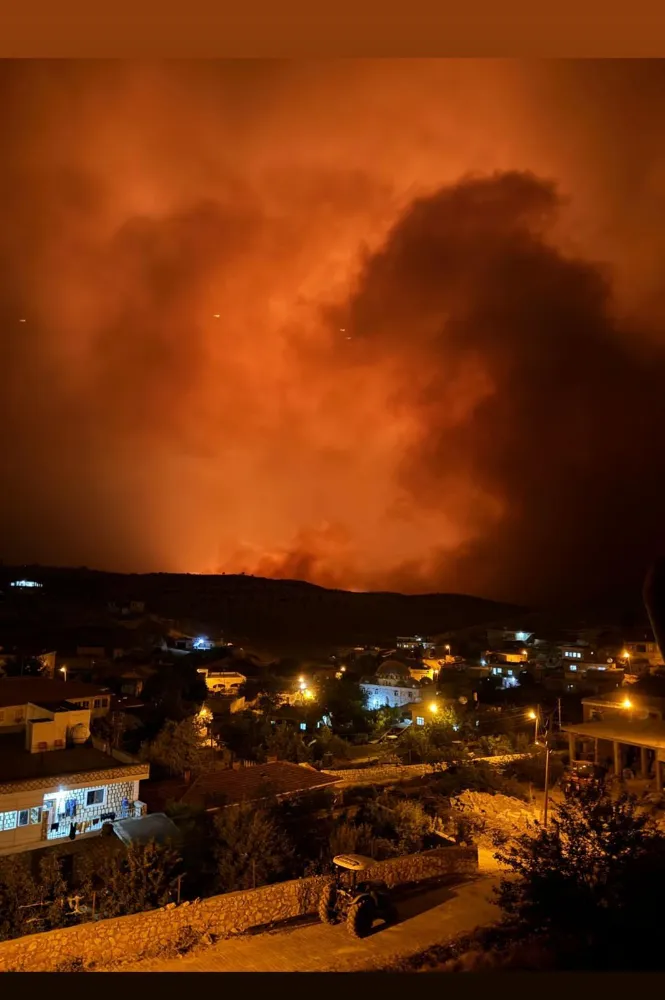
pixel 433 707
pixel 626 703
pixel 534 716
pixel 63 670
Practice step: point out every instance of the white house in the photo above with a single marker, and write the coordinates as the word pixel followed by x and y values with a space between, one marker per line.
pixel 53 784
pixel 222 681
pixel 392 686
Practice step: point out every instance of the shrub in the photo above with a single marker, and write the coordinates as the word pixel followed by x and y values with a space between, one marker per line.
pixel 588 881
pixel 348 838
pixel 531 769
pixel 251 847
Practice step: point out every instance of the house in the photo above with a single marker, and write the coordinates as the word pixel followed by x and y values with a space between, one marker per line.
pixel 53 783
pixel 615 705
pixel 220 681
pixel 623 730
pixel 391 686
pixel 12 660
pixel 279 779
pixel 640 650
pixel 507 673
pixel 18 694
pixel 414 644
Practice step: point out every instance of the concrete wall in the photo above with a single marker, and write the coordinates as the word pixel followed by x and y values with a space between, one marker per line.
pixel 142 935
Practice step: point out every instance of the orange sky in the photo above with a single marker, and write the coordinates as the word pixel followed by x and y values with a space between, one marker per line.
pixel 248 346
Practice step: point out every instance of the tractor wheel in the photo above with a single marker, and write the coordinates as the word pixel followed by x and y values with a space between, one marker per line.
pixel 360 918
pixel 327 911
pixel 389 913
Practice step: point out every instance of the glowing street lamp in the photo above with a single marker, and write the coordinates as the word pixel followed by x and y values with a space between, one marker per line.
pixel 433 707
pixel 626 703
pixel 63 670
pixel 534 716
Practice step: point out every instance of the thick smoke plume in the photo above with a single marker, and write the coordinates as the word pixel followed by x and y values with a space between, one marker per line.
pixel 377 326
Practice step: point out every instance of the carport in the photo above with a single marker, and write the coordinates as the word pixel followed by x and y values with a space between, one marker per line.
pixel 611 738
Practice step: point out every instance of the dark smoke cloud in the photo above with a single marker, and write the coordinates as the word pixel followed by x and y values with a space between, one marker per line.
pixel 375 325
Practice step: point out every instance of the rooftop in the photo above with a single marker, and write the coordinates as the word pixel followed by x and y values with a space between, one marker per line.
pixel 17 764
pixel 648 733
pixel 229 786
pixel 42 691
pixel 154 826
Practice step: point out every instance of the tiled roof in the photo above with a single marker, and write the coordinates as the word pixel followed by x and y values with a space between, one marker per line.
pixel 231 786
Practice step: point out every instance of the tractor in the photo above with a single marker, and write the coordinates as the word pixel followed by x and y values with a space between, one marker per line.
pixel 356 902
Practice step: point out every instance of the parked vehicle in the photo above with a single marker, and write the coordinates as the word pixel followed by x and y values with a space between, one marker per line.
pixel 357 902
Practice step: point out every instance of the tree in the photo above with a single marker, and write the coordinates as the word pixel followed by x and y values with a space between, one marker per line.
pixel 286 743
pixel 344 701
pixel 327 743
pixel 412 824
pixel 176 692
pixel 244 735
pixel 17 890
pixel 251 847
pixel 138 878
pixel 179 747
pixel 588 881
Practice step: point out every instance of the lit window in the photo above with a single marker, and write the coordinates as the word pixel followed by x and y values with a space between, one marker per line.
pixel 303 725
pixel 420 721
pixel 36 815
pixel 95 797
pixel 573 667
pixel 23 817
pixel 8 821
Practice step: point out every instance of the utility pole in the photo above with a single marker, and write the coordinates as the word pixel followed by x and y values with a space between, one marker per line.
pixel 547 779
pixel 559 707
pixel 547 729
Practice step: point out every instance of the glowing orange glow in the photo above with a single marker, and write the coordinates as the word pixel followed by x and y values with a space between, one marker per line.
pixel 292 319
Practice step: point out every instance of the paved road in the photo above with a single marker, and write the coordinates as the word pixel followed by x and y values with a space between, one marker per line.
pixel 425 919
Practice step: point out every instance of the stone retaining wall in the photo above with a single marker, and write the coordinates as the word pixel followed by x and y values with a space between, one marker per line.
pixel 143 935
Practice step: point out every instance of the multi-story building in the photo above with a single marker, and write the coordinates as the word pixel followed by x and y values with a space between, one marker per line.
pixel 391 687
pixel 53 783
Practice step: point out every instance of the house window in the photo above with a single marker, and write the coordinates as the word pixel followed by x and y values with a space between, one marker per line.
pixel 36 815
pixel 8 821
pixel 420 721
pixel 97 703
pixel 23 817
pixel 303 725
pixel 95 797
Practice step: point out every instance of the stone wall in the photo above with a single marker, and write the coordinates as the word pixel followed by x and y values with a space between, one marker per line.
pixel 106 943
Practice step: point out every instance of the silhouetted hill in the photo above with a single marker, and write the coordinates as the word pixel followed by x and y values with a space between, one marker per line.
pixel 253 609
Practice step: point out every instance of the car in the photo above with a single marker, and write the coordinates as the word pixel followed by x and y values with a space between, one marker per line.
pixel 355 901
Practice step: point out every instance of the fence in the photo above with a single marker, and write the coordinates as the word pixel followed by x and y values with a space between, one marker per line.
pixel 104 943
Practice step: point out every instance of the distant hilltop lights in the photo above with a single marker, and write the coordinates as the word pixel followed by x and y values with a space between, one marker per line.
pixel 26 584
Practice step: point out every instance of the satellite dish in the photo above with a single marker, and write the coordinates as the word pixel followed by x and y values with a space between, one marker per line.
pixel 463 700
pixel 610 660
pixel 79 734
